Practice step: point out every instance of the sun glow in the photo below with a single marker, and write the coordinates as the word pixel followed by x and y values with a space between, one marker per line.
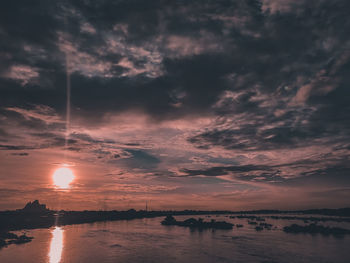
pixel 63 177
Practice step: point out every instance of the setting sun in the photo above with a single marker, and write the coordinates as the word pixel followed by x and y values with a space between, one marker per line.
pixel 63 177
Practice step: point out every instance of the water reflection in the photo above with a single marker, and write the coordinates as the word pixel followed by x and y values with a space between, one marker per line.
pixel 56 245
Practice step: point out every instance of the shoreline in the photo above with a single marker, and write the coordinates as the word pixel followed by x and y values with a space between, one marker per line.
pixel 19 219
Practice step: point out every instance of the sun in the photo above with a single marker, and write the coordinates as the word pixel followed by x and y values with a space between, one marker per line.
pixel 63 177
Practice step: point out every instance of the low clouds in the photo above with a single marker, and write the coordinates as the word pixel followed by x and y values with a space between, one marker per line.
pixel 239 94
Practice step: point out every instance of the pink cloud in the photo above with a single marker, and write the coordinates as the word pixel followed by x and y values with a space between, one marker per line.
pixel 189 46
pixel 87 28
pixel 281 5
pixel 320 85
pixel 41 112
pixel 22 73
pixel 83 62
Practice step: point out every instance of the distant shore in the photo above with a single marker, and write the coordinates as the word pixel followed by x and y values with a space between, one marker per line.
pixel 24 219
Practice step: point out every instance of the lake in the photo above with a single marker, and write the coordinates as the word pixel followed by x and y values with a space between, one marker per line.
pixel 146 240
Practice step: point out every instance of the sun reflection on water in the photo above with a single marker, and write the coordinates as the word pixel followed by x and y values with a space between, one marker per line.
pixel 56 245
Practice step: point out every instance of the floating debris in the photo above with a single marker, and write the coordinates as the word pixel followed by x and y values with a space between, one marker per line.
pixel 194 223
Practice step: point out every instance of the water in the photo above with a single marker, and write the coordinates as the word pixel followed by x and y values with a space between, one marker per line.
pixel 146 240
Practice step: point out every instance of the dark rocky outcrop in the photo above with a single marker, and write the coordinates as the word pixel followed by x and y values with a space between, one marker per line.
pixel 266 226
pixel 34 207
pixel 312 218
pixel 259 228
pixel 194 223
pixel 7 238
pixel 316 229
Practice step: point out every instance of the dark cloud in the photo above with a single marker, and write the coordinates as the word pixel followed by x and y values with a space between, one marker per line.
pixel 87 138
pixel 3 132
pixel 241 172
pixel 20 154
pixel 244 47
pixel 140 159
pixel 332 173
pixel 15 147
pixel 218 171
pixel 265 50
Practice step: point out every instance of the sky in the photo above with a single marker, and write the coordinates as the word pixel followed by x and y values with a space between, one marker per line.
pixel 202 105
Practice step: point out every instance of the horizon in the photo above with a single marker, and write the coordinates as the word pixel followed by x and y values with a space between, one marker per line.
pixel 233 105
pixel 177 210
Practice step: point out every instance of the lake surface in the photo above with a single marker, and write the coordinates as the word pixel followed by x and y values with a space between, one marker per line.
pixel 146 240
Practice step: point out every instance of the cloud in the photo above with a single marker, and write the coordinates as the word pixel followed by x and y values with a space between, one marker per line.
pixel 40 112
pixel 215 99
pixel 139 159
pixel 282 6
pixel 179 46
pixel 83 62
pixel 20 154
pixel 22 73
pixel 249 173
pixel 88 28
pixel 15 147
